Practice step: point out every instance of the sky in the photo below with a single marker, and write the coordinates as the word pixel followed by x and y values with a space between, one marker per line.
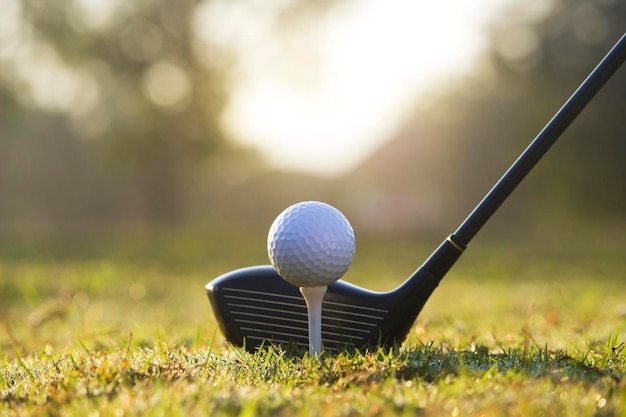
pixel 321 97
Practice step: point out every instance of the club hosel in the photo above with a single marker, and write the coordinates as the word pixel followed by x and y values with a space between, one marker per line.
pixel 418 288
pixel 426 278
pixel 435 267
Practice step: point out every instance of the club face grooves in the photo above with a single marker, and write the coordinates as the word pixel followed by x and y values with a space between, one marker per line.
pixel 256 308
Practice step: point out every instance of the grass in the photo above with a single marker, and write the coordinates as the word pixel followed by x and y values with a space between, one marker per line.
pixel 121 327
pixel 166 379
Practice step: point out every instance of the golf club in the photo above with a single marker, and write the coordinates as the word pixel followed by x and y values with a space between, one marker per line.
pixel 255 307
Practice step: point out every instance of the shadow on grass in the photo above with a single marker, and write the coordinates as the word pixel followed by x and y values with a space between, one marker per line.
pixel 431 363
pixel 435 362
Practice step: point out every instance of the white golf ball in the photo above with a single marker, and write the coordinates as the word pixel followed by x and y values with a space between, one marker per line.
pixel 311 244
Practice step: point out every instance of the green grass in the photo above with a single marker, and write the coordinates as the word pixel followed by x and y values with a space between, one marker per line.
pixel 121 327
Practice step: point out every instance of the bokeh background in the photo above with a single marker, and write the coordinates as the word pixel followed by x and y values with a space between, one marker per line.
pixel 119 117
pixel 146 147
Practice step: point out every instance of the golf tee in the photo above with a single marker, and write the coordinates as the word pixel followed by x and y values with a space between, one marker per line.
pixel 313 297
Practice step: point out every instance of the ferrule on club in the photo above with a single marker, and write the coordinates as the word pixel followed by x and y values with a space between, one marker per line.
pixel 458 246
pixel 313 297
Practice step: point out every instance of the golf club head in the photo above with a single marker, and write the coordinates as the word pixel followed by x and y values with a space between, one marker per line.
pixel 255 307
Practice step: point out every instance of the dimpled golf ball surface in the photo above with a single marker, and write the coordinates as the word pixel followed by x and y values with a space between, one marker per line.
pixel 311 244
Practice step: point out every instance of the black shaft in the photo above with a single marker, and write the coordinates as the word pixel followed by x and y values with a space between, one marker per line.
pixel 540 145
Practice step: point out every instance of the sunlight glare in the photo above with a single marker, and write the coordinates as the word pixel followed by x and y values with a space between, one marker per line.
pixel 375 59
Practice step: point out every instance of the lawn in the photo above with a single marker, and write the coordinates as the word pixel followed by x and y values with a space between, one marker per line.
pixel 120 326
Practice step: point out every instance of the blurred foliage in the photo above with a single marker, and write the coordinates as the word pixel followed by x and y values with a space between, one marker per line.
pixel 136 116
pixel 562 49
pixel 540 52
pixel 111 112
pixel 111 115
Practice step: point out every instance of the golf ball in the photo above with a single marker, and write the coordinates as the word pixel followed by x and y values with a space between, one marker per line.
pixel 311 244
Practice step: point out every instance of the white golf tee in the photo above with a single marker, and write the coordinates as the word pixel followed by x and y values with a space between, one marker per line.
pixel 313 297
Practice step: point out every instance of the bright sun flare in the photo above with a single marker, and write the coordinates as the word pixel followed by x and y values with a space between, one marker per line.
pixel 345 85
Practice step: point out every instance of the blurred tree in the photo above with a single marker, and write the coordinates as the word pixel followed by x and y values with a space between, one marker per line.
pixel 147 95
pixel 111 110
pixel 545 58
pixel 540 52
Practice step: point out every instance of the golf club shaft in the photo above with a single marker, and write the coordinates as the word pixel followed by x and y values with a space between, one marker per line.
pixel 427 277
pixel 546 138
